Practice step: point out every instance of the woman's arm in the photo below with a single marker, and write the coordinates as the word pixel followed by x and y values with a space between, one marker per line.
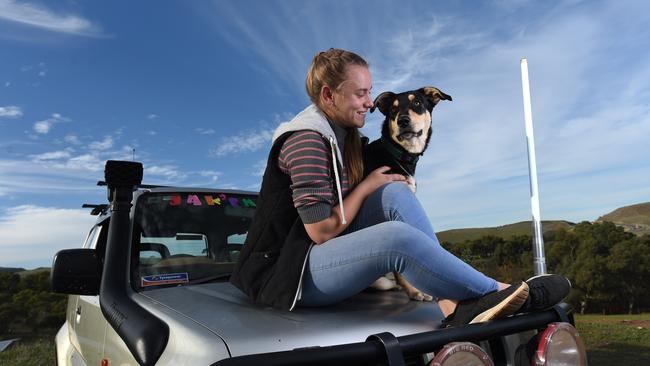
pixel 332 226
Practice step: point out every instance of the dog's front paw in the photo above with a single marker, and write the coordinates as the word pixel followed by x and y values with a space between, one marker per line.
pixel 413 188
pixel 412 184
pixel 419 296
pixel 384 284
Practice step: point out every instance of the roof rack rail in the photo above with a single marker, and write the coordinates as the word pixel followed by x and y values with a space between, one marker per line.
pixel 96 209
pixel 145 186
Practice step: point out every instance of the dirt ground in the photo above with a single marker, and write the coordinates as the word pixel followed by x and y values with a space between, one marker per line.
pixel 644 323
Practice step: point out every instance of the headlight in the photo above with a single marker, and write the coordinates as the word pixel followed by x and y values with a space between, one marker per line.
pixel 560 344
pixel 461 353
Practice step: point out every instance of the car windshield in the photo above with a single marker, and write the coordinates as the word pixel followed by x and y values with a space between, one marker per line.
pixel 189 237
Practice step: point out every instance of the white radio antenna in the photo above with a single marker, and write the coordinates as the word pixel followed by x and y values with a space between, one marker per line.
pixel 539 258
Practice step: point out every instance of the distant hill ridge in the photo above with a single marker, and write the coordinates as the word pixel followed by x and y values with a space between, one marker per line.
pixel 11 269
pixel 505 231
pixel 634 218
pixel 24 272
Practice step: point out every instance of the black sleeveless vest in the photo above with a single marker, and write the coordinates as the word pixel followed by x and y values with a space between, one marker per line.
pixel 273 257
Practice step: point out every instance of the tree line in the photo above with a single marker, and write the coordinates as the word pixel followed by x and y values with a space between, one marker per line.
pixel 27 304
pixel 609 268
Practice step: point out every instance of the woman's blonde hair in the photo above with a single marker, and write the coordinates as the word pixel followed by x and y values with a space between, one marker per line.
pixel 328 68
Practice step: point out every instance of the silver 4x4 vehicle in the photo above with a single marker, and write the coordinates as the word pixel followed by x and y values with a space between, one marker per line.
pixel 150 286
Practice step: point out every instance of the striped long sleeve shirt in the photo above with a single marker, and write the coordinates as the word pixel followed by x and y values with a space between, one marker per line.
pixel 307 158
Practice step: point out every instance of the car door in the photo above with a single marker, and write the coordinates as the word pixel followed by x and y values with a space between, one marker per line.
pixel 89 322
pixel 71 310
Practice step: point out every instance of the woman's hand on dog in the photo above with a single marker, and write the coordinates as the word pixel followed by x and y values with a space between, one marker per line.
pixel 380 177
pixel 324 230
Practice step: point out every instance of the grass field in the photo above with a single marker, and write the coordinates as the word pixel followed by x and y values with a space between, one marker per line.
pixel 610 340
pixel 29 352
pixel 616 339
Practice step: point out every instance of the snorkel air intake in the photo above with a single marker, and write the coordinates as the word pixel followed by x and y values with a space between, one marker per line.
pixel 144 334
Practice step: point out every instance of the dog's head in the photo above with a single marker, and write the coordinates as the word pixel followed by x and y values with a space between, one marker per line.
pixel 408 116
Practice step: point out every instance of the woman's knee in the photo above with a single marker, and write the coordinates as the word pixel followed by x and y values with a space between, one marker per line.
pixel 395 228
pixel 397 200
pixel 398 189
pixel 404 237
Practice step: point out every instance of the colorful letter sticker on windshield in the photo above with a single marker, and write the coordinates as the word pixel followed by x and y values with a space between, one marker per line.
pixel 165 279
pixel 210 200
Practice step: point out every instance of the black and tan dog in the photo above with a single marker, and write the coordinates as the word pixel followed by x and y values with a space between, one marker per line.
pixel 406 130
pixel 405 135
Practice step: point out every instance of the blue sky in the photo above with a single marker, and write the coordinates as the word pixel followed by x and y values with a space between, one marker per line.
pixel 197 88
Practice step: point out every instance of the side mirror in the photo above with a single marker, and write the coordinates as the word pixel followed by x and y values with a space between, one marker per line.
pixel 76 272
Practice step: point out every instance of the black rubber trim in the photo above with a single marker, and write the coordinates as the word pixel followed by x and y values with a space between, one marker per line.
pixel 144 334
pixel 394 356
pixel 373 352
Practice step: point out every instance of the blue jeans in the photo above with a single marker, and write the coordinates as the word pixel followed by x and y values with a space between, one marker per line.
pixel 391 232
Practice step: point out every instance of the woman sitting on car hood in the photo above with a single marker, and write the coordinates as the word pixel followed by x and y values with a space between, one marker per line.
pixel 323 233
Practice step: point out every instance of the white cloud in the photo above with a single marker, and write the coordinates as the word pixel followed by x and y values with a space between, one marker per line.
pixel 53 155
pixel 87 162
pixel 105 144
pixel 31 235
pixel 259 168
pixel 44 18
pixel 60 164
pixel 10 111
pixel 205 131
pixel 43 127
pixel 152 116
pixel 169 173
pixel 245 141
pixel 72 139
pixel 212 174
pixel 282 49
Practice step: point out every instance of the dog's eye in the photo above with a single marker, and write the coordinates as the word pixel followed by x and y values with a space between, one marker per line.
pixel 416 103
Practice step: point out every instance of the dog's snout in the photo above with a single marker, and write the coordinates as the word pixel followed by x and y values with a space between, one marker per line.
pixel 403 121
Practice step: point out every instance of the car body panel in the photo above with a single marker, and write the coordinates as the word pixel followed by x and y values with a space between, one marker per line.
pixel 66 352
pixel 90 326
pixel 190 343
pixel 248 327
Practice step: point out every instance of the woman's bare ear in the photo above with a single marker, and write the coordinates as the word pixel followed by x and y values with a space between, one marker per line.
pixel 326 95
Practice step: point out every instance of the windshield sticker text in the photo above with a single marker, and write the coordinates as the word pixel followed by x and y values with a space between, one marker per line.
pixel 165 279
pixel 209 200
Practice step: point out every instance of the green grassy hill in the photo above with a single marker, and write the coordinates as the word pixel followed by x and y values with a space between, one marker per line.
pixel 34 271
pixel 634 214
pixel 634 218
pixel 505 231
pixel 11 269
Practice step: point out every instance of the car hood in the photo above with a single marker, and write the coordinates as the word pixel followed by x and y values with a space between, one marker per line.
pixel 248 328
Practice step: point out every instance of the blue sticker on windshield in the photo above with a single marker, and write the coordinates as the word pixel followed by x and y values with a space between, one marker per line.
pixel 165 279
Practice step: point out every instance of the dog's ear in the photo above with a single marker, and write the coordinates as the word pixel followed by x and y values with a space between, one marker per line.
pixel 434 94
pixel 383 102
